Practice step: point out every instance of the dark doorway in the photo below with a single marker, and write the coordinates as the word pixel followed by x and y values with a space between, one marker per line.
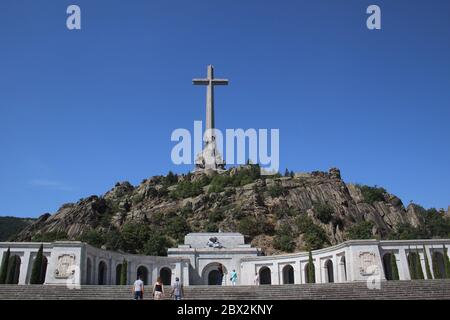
pixel 288 274
pixel 102 272
pixel 265 276
pixel 214 278
pixel 89 271
pixel 118 273
pixel 438 265
pixel 387 266
pixel 143 273
pixel 330 271
pixel 166 276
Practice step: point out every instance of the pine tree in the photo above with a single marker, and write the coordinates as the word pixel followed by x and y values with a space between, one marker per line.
pixel 446 263
pixel 4 267
pixel 436 271
pixel 311 271
pixel 394 267
pixel 418 266
pixel 36 271
pixel 123 272
pixel 292 174
pixel 12 266
pixel 427 264
pixel 286 173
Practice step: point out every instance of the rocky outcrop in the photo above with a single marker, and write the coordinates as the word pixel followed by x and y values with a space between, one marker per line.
pixel 151 203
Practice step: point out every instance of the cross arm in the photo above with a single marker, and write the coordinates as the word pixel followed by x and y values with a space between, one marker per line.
pixel 200 81
pixel 220 82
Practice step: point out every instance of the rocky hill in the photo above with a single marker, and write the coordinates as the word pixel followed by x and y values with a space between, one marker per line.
pixel 279 214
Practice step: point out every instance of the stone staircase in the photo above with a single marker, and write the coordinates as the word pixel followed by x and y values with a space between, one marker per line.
pixel 424 289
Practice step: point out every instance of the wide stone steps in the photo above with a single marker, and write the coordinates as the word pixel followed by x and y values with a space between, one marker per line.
pixel 425 289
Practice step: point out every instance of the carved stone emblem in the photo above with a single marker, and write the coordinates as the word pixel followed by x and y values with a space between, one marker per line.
pixel 367 263
pixel 65 266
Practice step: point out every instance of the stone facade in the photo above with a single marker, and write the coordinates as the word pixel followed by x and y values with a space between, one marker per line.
pixel 197 260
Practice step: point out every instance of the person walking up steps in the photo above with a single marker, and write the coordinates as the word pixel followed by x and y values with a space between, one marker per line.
pixel 220 275
pixel 138 289
pixel 233 277
pixel 177 291
pixel 158 289
pixel 256 281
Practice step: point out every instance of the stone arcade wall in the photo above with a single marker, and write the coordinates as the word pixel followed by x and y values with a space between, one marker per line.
pixel 356 260
pixel 72 263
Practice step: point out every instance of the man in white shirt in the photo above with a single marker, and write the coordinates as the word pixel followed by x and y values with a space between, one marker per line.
pixel 138 289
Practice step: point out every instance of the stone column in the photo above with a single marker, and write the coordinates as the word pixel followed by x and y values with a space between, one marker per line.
pixel 276 273
pixel 429 252
pixel 185 279
pixel 24 267
pixel 155 273
pixel 297 272
pixel 318 270
pixel 403 268
pixel 336 268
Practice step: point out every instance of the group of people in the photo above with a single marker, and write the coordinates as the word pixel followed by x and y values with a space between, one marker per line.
pixel 158 292
pixel 177 291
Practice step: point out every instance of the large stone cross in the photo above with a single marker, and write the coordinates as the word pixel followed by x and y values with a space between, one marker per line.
pixel 210 157
pixel 210 82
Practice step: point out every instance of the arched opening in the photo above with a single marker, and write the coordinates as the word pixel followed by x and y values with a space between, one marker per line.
pixel 102 273
pixel 310 275
pixel 13 272
pixel 387 266
pixel 343 269
pixel 214 278
pixel 265 276
pixel 143 273
pixel 118 273
pixel 214 274
pixel 88 271
pixel 329 272
pixel 288 274
pixel 438 265
pixel 166 276
pixel 414 265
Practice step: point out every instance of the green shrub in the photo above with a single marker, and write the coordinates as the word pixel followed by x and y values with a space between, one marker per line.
pixel 361 230
pixel 276 190
pixel 314 236
pixel 39 266
pixel 187 189
pixel 252 226
pixel 156 245
pixel 215 216
pixel 372 194
pixel 177 228
pixel 124 273
pixel 284 239
pixel 311 272
pixel 324 212
pixel 395 275
pixel 93 237
pixel 50 236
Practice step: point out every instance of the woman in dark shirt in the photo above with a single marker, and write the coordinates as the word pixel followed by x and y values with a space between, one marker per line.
pixel 158 289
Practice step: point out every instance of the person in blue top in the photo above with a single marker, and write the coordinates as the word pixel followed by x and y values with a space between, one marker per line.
pixel 233 277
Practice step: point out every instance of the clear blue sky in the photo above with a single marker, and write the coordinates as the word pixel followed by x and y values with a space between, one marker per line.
pixel 81 110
